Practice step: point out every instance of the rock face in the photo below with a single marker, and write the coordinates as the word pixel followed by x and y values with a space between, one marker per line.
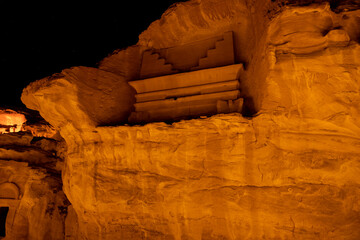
pixel 10 121
pixel 90 96
pixel 289 169
pixel 37 206
pixel 32 203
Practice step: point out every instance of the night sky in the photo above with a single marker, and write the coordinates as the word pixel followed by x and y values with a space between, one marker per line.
pixel 37 41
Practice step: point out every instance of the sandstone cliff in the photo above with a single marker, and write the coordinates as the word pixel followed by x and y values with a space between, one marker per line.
pixel 32 203
pixel 286 168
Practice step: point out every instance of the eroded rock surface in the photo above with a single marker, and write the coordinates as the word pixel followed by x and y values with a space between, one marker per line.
pixel 36 204
pixel 33 205
pixel 290 171
pixel 85 95
pixel 11 121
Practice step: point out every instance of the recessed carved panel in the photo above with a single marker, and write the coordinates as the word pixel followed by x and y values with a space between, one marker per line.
pixel 213 52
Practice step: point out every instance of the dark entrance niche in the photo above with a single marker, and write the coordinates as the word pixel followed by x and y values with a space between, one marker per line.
pixel 3 214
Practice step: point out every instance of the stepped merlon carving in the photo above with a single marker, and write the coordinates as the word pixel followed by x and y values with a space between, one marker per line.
pixel 208 86
pixel 153 65
pixel 221 55
pixel 208 53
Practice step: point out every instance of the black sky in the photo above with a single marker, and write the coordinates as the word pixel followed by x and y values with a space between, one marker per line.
pixel 37 41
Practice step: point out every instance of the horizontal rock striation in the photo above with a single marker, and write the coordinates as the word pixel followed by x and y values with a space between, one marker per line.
pixel 221 177
pixel 288 170
pixel 32 203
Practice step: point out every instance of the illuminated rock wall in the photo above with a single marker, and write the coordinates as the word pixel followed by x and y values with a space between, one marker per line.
pixel 290 171
pixel 31 187
pixel 39 211
pixel 10 121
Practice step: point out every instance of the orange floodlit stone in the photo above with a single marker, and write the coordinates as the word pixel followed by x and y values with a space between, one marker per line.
pixel 227 120
pixel 11 121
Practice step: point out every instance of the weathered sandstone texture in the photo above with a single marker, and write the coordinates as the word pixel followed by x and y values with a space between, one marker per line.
pixel 287 167
pixel 11 121
pixel 39 209
pixel 85 95
pixel 33 205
